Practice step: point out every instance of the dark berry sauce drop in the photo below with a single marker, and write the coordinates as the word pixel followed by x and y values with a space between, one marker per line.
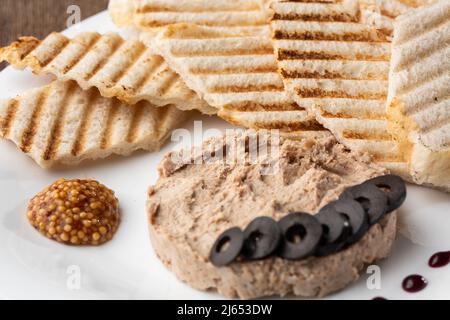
pixel 379 298
pixel 439 260
pixel 414 283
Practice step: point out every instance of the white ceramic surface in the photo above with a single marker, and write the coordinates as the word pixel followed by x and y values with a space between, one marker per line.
pixel 32 267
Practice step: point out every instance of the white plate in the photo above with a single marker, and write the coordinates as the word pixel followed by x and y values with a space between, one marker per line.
pixel 34 267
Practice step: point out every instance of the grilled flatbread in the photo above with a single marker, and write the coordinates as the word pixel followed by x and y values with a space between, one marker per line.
pixel 63 124
pixel 419 93
pixel 125 69
pixel 338 68
pixel 234 72
pixel 240 15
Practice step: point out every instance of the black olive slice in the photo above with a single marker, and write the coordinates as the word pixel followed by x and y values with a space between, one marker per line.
pixel 262 238
pixel 301 233
pixel 355 216
pixel 373 200
pixel 227 247
pixel 395 189
pixel 336 230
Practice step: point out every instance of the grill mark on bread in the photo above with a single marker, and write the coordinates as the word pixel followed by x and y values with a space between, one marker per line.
pixel 324 36
pixel 159 24
pixel 149 75
pixel 138 111
pixel 349 115
pixel 9 119
pixel 168 84
pixel 234 70
pixel 115 48
pixel 81 54
pixel 85 122
pixel 286 126
pixel 190 94
pixel 224 52
pixel 136 54
pixel 108 130
pixel 173 9
pixel 378 156
pixel 284 54
pixel 162 115
pixel 251 106
pixel 388 14
pixel 370 136
pixel 338 17
pixel 344 115
pixel 299 55
pixel 327 75
pixel 202 6
pixel 247 88
pixel 320 93
pixel 234 33
pixel 29 133
pixel 35 45
pixel 289 126
pixel 58 125
pixel 59 47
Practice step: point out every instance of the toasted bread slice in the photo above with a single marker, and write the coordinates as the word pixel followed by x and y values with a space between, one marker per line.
pixel 419 92
pixel 235 72
pixel 125 69
pixel 63 124
pixel 154 14
pixel 338 68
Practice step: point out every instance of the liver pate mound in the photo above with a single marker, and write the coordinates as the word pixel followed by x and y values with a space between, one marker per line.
pixel 193 203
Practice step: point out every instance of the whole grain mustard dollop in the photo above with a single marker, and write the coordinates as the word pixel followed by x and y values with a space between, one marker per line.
pixel 75 212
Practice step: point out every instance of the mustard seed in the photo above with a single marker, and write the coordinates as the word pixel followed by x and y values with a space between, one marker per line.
pixel 77 212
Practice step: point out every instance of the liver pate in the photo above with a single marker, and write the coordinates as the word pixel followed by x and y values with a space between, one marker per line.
pixel 192 204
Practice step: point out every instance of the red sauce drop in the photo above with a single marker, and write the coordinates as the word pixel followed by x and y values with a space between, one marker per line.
pixel 439 260
pixel 414 283
pixel 379 298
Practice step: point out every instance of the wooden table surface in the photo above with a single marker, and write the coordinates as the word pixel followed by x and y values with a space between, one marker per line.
pixel 40 17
